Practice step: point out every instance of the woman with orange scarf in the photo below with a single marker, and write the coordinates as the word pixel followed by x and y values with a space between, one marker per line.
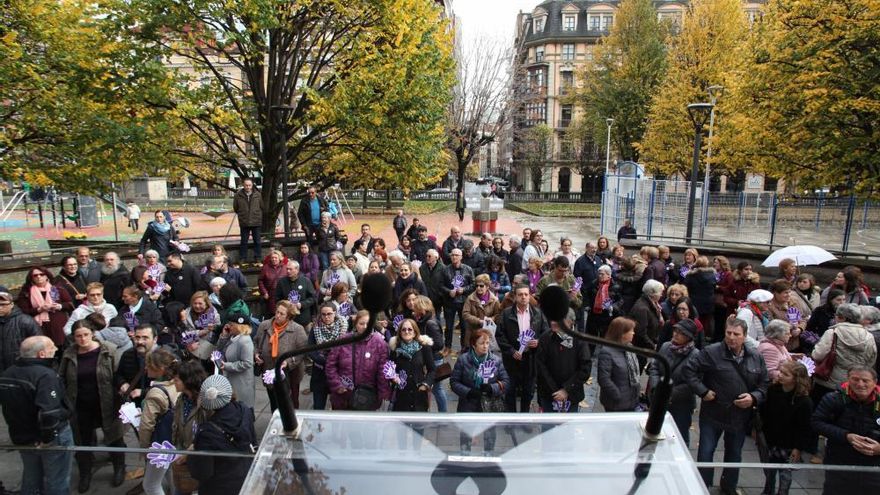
pixel 275 337
pixel 601 301
pixel 43 301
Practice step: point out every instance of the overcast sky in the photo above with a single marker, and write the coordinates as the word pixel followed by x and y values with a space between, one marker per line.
pixel 489 18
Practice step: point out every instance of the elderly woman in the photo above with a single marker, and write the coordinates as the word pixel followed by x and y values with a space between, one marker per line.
pixel 678 351
pixel 673 294
pixel 237 361
pixel 200 318
pixel 618 369
pixel 275 337
pixel 780 308
pixel 773 346
pixel 215 285
pixel 534 274
pixel 159 234
pixel 87 371
pixel 270 274
pixel 327 235
pixel 788 270
pixel 337 272
pixel 48 306
pixel 690 260
pixel 854 347
pixel 480 310
pixel 756 314
pixel 656 269
pixel 600 302
pixel 647 315
pixel 328 327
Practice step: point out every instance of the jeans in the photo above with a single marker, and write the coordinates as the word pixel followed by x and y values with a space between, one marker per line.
pixel 778 455
pixel 683 414
pixel 48 473
pixel 449 312
pixel 439 392
pixel 156 480
pixel 246 232
pixel 710 433
pixel 522 385
pixel 324 258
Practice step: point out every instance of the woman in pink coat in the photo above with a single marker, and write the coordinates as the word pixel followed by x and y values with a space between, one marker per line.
pixel 772 346
pixel 370 356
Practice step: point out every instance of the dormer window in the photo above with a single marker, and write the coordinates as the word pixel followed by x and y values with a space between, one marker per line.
pixel 539 24
pixel 569 22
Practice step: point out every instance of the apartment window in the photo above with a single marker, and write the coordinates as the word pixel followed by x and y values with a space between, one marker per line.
pixel 568 51
pixel 536 113
pixel 607 22
pixel 565 116
pixel 754 16
pixel 569 22
pixel 595 22
pixel 539 25
pixel 539 54
pixel 537 79
pixel 567 79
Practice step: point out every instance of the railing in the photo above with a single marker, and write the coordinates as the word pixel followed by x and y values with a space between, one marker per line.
pixel 552 197
pixel 183 192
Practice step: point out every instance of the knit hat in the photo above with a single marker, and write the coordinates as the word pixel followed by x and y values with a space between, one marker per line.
pixel 687 327
pixel 4 294
pixel 215 393
pixel 760 296
pixel 239 318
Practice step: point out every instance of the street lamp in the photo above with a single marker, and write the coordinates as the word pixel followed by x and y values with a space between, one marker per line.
pixel 715 92
pixel 282 111
pixel 699 113
pixel 608 121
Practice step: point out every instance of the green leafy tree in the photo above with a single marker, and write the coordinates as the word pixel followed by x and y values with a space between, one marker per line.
pixel 629 66
pixel 708 51
pixel 809 105
pixel 357 89
pixel 536 143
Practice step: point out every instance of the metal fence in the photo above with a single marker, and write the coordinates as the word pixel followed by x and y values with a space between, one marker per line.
pixel 658 209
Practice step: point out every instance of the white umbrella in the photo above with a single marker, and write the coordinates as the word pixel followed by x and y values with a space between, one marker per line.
pixel 802 255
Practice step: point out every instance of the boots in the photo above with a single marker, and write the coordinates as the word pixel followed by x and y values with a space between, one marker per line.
pixel 84 462
pixel 118 460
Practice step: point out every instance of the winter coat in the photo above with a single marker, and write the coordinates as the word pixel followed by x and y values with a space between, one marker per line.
pixel 433 280
pixel 592 291
pixel 805 302
pixel 855 347
pixel 268 280
pixel 239 368
pixel 448 245
pixel 656 270
pixel 507 336
pixel 574 299
pixel 419 249
pixel 327 237
pixel 837 415
pixel 466 279
pixel 342 274
pixel 147 313
pixel 310 267
pixel 739 289
pixel 774 354
pixel 157 240
pixel 700 283
pixel 787 418
pixel 182 427
pixel 302 290
pixel 304 212
pixel 184 282
pixel 67 370
pixel 681 391
pixel 108 311
pixel 233 276
pixel 587 269
pixel 14 328
pixel 369 357
pixel 293 337
pixel 514 263
pixel 74 286
pixel 560 367
pixel 229 429
pixel 648 323
pixel 429 326
pixel 820 320
pixel 54 328
pixel 499 282
pixel 248 209
pixel 113 285
pixel 206 347
pixel 154 405
pixel 631 283
pixel 715 368
pixel 475 312
pixel 462 381
pixel 91 271
pixel 419 371
pixel 34 404
pixel 411 282
pixel 618 382
pixel 476 261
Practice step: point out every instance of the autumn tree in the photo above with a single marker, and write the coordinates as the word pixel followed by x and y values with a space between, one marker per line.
pixel 706 52
pixel 357 89
pixel 535 148
pixel 809 107
pixel 629 66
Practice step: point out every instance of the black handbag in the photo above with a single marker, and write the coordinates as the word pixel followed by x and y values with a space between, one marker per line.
pixel 363 397
pixel 492 403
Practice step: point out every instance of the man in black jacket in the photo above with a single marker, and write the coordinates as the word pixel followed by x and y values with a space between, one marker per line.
pixel 15 326
pixel 431 272
pixel 89 268
pixel 587 268
pixel 115 277
pixel 458 283
pixel 183 279
pixel 514 260
pixel 309 214
pixel 454 241
pixel 248 205
pixel 35 409
pixel 421 245
pixel 131 378
pixel 300 291
pixel 520 366
pixel 563 365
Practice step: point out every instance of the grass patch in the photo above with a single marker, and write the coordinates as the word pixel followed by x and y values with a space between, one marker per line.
pixel 576 210
pixel 426 207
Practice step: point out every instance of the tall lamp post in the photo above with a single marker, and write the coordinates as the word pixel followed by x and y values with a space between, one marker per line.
pixel 282 112
pixel 699 113
pixel 715 92
pixel 609 121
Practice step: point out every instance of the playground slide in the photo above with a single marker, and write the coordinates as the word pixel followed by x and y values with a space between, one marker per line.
pixel 120 205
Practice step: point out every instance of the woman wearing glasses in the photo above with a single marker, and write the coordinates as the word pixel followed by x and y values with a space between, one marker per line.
pixel 45 303
pixel 414 361
pixel 480 310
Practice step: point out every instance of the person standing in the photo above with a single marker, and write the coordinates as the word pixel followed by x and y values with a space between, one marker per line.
pixel 37 413
pixel 458 283
pixel 309 213
pixel 159 234
pixel 275 337
pixel 48 306
pixel 133 212
pixel 71 279
pixel 399 225
pixel 517 355
pixel 627 231
pixel 411 353
pixel 786 416
pixel 15 326
pixel 89 268
pixel 94 303
pixel 238 357
pixel 270 274
pixel 619 369
pixel 115 277
pixel 515 259
pixel 327 237
pixel 158 400
pixel 563 366
pixel 678 351
pixel 248 205
pixel 731 379
pixel 300 291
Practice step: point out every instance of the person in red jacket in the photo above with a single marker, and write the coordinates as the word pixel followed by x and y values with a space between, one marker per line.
pixel 743 282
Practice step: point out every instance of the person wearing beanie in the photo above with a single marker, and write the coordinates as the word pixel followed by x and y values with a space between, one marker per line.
pixel 229 428
pixel 678 351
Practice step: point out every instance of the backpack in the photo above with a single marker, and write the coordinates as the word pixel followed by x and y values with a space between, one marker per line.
pixel 165 421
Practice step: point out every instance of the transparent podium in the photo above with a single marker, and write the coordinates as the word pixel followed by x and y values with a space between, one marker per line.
pixel 538 454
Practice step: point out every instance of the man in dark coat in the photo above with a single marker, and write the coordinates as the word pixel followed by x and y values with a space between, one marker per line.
pixel 520 366
pixel 563 364
pixel 131 378
pixel 115 277
pixel 38 414
pixel 431 272
pixel 421 245
pixel 731 379
pixel 183 278
pixel 472 257
pixel 514 261
pixel 220 268
pixel 248 205
pixel 309 213
pixel 458 283
pixel 850 419
pixel 399 225
pixel 627 231
pixel 587 269
pixel 299 290
pixel 15 326
pixel 89 268
pixel 454 241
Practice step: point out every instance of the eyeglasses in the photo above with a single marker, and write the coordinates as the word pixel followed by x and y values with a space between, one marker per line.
pixel 38 275
pixel 326 314
pixel 407 330
pixel 481 285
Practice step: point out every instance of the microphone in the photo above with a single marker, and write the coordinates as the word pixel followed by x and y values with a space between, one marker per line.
pixel 375 297
pixel 554 303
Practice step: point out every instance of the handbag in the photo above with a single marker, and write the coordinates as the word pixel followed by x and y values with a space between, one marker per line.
pixel 825 366
pixel 442 372
pixel 182 477
pixel 363 397
pixel 492 403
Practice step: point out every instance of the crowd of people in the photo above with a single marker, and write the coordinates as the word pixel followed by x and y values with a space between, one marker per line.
pixel 179 339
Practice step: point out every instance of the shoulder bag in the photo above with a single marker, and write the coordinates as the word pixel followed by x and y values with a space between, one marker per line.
pixel 363 397
pixel 825 366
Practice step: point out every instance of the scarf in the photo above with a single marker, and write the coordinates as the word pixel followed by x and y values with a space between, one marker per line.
pixel 326 333
pixel 478 379
pixel 681 349
pixel 276 336
pixel 874 397
pixel 38 300
pixel 601 296
pixel 484 299
pixel 565 340
pixel 408 349
pixel 162 228
pixel 757 312
pixel 534 278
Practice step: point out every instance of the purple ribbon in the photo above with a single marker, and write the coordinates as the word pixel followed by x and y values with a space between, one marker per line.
pixel 333 279
pixel 402 377
pixel 578 283
pixel 161 461
pixel 217 356
pixel 809 364
pixel 389 370
pixel 345 309
pixel 53 293
pixel 561 405
pixel 525 337
pixel 293 296
pixel 487 369
pixel 398 319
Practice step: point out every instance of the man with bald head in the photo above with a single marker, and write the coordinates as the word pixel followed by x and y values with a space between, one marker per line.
pixel 454 241
pixel 34 407
pixel 89 268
